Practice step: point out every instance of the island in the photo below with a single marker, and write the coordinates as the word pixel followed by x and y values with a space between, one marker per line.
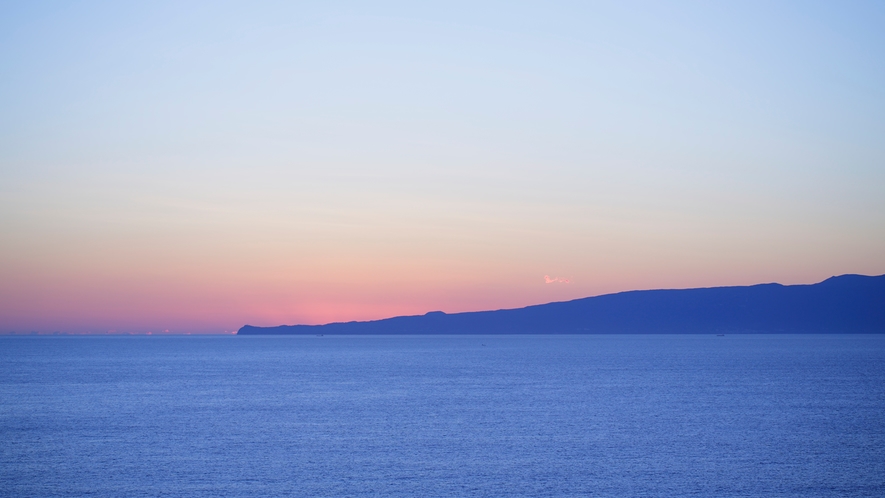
pixel 842 304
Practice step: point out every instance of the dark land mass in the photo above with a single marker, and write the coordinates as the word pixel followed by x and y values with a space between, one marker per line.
pixel 844 304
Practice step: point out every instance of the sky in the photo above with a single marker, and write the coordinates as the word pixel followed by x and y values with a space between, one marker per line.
pixel 191 167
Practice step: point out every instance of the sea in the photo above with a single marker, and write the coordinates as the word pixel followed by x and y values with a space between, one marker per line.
pixel 498 415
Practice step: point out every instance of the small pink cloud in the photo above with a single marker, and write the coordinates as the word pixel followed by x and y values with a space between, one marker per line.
pixel 555 280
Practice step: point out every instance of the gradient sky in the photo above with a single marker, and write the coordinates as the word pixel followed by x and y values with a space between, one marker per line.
pixel 195 166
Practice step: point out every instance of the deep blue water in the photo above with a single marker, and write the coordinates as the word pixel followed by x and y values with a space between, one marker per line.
pixel 603 415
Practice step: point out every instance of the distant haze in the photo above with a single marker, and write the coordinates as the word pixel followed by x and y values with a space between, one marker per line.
pixel 196 166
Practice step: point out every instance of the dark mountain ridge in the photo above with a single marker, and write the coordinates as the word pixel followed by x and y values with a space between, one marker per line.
pixel 843 304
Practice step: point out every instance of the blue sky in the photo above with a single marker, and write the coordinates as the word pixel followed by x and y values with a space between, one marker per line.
pixel 197 165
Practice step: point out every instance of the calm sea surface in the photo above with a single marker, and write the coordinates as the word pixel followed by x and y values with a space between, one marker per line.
pixel 661 415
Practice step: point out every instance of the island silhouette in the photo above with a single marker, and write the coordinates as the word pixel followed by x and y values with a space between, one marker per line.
pixel 842 304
